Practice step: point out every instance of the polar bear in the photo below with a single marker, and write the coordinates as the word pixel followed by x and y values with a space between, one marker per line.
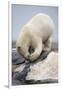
pixel 35 35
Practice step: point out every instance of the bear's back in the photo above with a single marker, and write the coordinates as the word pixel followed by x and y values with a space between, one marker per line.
pixel 42 25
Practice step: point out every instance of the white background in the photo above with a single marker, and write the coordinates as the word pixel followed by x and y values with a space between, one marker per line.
pixel 4 45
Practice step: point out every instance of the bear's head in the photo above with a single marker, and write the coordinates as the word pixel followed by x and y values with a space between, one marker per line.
pixel 25 48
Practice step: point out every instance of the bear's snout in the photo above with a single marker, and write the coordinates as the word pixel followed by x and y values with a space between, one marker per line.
pixel 31 50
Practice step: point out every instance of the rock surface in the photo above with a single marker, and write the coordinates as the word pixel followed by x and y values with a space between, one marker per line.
pixel 43 70
pixel 46 69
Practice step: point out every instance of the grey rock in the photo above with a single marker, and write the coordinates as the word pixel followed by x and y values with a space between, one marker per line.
pixel 21 75
pixel 17 59
pixel 15 82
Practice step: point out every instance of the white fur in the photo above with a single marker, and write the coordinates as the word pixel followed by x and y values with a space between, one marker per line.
pixel 36 33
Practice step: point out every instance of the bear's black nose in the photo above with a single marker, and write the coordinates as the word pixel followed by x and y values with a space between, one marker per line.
pixel 31 49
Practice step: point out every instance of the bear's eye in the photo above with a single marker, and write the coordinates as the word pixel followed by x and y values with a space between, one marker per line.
pixel 31 49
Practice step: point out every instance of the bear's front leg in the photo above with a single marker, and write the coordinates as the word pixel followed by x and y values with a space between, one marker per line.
pixel 47 45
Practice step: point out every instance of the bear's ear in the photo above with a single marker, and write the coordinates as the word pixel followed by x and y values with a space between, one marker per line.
pixel 18 48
